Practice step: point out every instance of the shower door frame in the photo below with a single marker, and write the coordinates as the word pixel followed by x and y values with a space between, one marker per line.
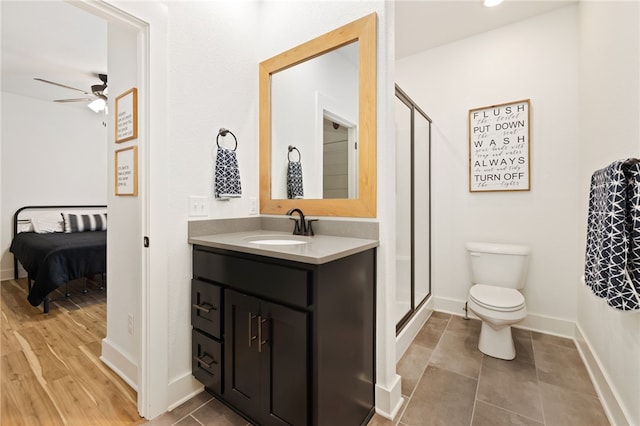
pixel 414 108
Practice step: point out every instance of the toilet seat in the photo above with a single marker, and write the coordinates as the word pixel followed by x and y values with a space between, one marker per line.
pixel 497 298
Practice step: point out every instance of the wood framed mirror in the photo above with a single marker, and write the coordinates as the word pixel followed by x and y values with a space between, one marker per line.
pixel 360 201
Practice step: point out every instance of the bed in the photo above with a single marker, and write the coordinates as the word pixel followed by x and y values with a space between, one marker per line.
pixel 59 244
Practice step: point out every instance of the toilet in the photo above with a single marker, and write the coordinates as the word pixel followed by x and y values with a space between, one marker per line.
pixel 497 274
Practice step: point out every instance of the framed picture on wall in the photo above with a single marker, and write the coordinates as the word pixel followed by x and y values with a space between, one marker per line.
pixel 126 165
pixel 499 147
pixel 127 116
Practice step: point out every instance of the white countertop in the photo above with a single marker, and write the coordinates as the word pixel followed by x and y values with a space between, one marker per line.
pixel 317 250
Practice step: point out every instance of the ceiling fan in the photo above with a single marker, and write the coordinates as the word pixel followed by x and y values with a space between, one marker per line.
pixel 98 92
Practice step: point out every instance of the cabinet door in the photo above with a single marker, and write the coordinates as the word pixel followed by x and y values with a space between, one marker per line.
pixel 285 365
pixel 266 360
pixel 242 362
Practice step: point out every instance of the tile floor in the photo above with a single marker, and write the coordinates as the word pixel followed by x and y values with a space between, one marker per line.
pixel 447 381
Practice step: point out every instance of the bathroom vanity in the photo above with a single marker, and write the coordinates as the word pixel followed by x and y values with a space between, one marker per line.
pixel 283 332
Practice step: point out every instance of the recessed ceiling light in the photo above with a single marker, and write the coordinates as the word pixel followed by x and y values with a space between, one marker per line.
pixel 492 3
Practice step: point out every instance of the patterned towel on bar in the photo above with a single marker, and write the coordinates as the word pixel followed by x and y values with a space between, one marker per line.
pixel 612 259
pixel 630 297
pixel 227 175
pixel 294 180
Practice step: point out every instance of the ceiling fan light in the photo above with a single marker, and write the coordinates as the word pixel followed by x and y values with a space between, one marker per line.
pixel 98 105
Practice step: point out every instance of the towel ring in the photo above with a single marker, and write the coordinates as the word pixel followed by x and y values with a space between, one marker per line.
pixel 224 132
pixel 291 148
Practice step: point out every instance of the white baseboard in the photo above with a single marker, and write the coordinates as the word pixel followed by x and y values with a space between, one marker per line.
pixel 119 362
pixel 450 306
pixel 616 413
pixel 389 401
pixel 544 324
pixel 182 389
pixel 410 331
pixel 6 274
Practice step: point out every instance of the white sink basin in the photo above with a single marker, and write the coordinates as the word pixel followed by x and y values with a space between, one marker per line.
pixel 277 242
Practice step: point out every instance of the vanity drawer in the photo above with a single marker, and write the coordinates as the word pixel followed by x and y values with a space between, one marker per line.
pixel 206 307
pixel 207 361
pixel 277 282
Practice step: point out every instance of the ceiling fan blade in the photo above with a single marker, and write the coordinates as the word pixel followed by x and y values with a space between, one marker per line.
pixel 74 100
pixel 61 85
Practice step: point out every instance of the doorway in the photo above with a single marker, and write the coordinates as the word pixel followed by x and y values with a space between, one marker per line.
pixel 138 58
pixel 339 159
pixel 413 208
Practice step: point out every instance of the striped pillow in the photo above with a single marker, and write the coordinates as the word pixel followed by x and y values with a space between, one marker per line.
pixel 84 222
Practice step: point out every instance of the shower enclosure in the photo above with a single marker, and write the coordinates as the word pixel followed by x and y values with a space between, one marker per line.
pixel 413 208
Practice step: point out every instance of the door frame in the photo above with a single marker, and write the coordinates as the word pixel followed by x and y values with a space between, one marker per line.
pixel 149 21
pixel 415 305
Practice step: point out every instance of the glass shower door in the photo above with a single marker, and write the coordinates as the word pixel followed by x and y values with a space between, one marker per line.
pixel 413 208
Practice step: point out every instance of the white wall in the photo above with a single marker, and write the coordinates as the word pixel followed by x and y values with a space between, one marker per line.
pixel 51 154
pixel 609 130
pixel 212 83
pixel 536 59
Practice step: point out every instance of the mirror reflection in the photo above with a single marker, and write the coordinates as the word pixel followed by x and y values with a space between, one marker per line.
pixel 314 110
pixel 320 99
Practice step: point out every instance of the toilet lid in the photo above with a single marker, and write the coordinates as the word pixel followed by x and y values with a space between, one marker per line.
pixel 497 298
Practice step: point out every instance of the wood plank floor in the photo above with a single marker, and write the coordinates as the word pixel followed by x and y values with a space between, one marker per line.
pixel 50 370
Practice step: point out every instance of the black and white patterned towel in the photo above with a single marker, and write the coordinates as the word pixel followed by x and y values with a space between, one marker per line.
pixel 612 259
pixel 630 297
pixel 294 180
pixel 227 175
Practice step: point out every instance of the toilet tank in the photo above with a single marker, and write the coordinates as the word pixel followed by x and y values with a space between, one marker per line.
pixel 502 265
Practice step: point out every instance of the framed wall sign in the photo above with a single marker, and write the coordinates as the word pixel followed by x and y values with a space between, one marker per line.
pixel 127 171
pixel 499 147
pixel 127 116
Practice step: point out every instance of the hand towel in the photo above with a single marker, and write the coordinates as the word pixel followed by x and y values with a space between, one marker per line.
pixel 227 175
pixel 294 180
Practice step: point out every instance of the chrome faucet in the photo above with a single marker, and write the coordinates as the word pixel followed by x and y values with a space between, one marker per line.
pixel 302 226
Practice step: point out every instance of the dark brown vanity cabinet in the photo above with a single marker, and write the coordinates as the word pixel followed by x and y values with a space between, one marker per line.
pixel 293 342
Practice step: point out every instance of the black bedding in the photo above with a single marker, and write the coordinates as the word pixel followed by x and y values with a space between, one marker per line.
pixel 56 258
